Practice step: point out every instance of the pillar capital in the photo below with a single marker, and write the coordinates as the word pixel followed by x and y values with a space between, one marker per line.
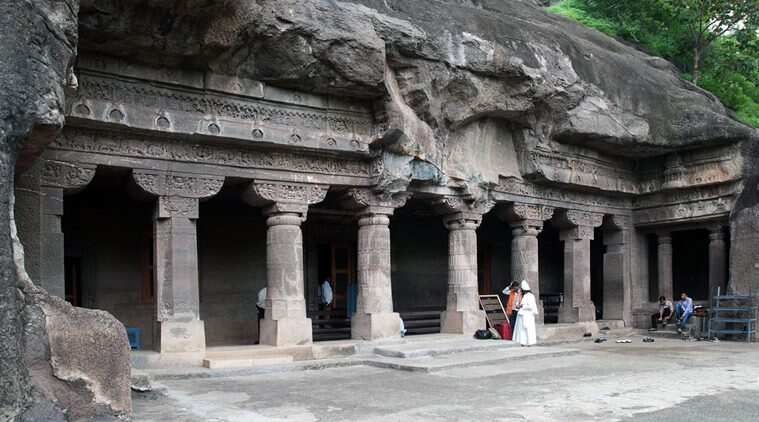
pixel 369 201
pixel 527 228
pixel 621 222
pixel 716 233
pixel 285 197
pixel 577 233
pixel 462 221
pixel 177 206
pixel 664 238
pixel 518 213
pixel 67 176
pixel 373 219
pixel 172 184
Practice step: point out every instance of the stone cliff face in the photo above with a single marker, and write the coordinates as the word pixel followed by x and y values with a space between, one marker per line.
pixel 447 78
pixel 51 365
pixel 452 63
pixel 462 91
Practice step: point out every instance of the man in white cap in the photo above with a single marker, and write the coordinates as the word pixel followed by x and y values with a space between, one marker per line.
pixel 524 329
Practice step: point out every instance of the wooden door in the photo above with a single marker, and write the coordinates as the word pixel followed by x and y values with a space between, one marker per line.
pixel 484 269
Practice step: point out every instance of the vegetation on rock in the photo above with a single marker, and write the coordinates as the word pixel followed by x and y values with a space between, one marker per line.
pixel 715 43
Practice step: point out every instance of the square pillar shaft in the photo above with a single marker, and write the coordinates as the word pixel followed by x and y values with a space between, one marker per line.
pixel 285 322
pixel 577 306
pixel 717 261
pixel 51 266
pixel 176 275
pixel 617 288
pixel 462 314
pixel 374 318
pixel 664 266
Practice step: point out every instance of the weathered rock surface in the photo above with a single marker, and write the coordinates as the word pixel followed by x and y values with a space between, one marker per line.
pixel 51 354
pixel 439 65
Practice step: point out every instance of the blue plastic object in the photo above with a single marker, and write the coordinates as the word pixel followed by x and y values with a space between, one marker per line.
pixel 134 337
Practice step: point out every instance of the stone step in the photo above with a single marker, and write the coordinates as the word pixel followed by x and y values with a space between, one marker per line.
pixel 437 348
pixel 470 359
pixel 226 363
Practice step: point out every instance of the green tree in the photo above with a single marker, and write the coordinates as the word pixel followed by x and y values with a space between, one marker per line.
pixel 714 42
pixel 708 20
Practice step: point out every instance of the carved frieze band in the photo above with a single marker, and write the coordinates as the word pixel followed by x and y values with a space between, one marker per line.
pixel 709 208
pixel 120 100
pixel 571 169
pixel 122 144
pixel 58 174
pixel 512 186
pixel 177 184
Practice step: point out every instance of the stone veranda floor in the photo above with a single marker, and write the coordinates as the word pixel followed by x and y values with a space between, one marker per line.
pixel 669 380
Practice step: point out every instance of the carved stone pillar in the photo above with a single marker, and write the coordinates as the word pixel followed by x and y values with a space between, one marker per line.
pixel 577 305
pixel 664 265
pixel 617 287
pixel 526 222
pixel 462 314
pixel 285 322
pixel 717 260
pixel 175 240
pixel 39 212
pixel 374 318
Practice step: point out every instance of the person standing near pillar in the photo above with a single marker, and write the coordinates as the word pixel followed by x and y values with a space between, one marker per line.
pixel 261 308
pixel 325 295
pixel 515 296
pixel 524 330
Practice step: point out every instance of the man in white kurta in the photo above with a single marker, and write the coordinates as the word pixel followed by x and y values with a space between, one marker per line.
pixel 524 329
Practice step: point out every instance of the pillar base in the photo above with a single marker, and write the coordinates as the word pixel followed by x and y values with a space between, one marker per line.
pixel 583 313
pixel 286 332
pixel 462 322
pixel 181 336
pixel 375 326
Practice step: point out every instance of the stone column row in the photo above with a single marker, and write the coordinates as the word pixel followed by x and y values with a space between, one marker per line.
pixel 718 251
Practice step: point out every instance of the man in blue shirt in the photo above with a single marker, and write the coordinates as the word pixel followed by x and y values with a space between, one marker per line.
pixel 683 312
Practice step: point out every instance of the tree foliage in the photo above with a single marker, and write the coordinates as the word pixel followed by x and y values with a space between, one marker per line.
pixel 715 43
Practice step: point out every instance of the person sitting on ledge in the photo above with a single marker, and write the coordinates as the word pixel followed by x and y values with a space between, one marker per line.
pixel 664 314
pixel 683 312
